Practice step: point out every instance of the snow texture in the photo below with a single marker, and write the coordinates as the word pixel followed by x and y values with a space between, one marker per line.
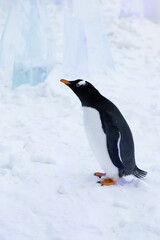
pixel 132 8
pixel 152 10
pixel 47 187
pixel 86 48
pixel 137 8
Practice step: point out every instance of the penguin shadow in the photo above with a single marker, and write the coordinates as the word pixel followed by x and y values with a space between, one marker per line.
pixel 126 181
pixel 85 181
pixel 131 181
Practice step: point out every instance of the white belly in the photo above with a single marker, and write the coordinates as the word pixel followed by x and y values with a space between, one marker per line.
pixel 98 141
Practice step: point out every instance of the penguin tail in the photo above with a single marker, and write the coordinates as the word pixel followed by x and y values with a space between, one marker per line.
pixel 139 173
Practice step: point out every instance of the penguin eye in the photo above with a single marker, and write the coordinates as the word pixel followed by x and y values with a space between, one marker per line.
pixel 78 85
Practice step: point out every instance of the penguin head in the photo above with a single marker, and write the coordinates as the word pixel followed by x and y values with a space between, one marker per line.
pixel 84 90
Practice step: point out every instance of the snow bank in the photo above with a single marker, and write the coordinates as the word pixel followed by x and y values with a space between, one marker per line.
pixel 47 187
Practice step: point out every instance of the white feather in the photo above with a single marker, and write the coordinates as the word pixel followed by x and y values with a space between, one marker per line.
pixel 98 141
pixel 118 145
pixel 82 82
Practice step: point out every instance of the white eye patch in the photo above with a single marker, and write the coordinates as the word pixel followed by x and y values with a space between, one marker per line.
pixel 80 83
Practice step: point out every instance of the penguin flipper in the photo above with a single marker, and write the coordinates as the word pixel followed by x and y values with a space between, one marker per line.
pixel 112 144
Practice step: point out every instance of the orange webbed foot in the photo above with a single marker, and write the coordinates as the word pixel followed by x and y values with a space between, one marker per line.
pixel 98 174
pixel 107 182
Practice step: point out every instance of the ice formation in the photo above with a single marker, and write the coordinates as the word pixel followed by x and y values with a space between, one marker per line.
pixel 26 45
pixel 86 46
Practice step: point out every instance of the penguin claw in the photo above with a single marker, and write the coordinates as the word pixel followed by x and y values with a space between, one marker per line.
pixel 97 175
pixel 100 182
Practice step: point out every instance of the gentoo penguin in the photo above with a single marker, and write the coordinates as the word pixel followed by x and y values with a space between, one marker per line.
pixel 108 133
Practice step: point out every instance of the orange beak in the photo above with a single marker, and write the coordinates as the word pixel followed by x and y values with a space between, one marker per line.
pixel 65 81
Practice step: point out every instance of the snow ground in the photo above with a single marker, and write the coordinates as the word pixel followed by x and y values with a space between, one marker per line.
pixel 47 187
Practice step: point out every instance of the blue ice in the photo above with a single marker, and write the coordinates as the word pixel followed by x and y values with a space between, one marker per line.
pixel 26 43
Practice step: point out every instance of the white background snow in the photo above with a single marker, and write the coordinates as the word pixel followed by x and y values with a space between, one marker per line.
pixel 47 187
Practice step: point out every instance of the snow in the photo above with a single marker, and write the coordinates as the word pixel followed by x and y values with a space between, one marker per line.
pixel 47 187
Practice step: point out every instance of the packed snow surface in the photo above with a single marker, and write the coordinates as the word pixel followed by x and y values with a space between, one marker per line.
pixel 47 187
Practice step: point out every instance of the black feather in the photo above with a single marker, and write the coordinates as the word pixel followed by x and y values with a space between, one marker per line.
pixel 139 173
